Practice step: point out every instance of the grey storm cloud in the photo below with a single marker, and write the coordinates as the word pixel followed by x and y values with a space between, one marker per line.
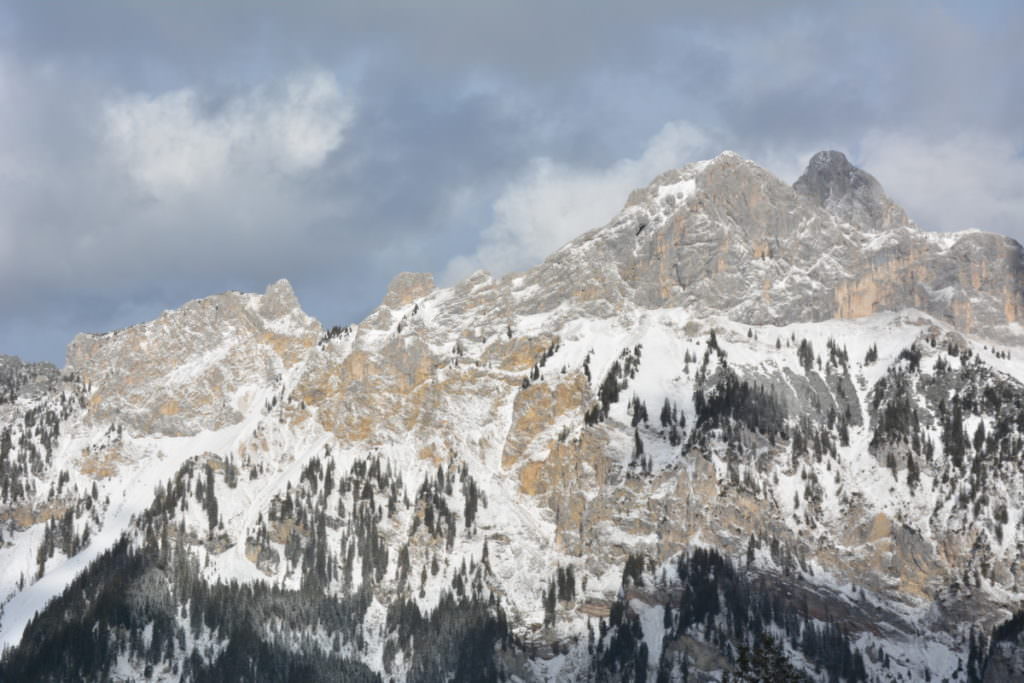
pixel 155 152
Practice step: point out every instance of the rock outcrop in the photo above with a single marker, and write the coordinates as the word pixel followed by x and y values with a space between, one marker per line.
pixel 727 237
pixel 796 376
pixel 190 368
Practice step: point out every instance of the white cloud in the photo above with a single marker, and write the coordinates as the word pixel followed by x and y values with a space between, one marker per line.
pixel 105 193
pixel 971 180
pixel 552 203
pixel 169 143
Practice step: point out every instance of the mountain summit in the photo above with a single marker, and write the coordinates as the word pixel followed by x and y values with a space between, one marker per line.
pixel 741 416
pixel 846 191
pixel 727 237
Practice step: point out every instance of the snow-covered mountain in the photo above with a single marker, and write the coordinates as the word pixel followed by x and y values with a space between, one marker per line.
pixel 740 418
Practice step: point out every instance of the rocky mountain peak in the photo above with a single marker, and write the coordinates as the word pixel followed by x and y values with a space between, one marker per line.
pixel 726 236
pixel 850 193
pixel 279 300
pixel 830 176
pixel 405 288
pixel 170 375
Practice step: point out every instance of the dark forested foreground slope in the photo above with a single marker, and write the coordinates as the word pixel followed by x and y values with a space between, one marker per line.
pixel 743 431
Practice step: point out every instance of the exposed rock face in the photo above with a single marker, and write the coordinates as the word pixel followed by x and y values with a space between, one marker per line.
pixel 828 472
pixel 407 287
pixel 182 372
pixel 726 236
pixel 722 237
pixel 849 193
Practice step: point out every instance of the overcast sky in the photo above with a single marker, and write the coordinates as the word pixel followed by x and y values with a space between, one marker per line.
pixel 151 153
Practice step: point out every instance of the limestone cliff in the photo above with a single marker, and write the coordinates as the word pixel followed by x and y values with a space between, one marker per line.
pixel 182 372
pixel 798 377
